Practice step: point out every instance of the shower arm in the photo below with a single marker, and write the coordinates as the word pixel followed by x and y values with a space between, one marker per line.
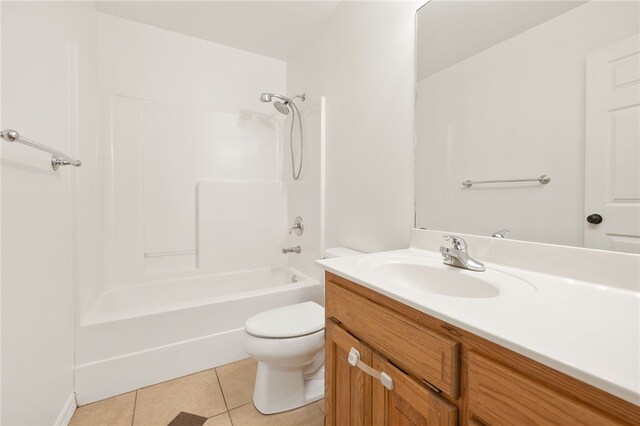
pixel 303 97
pixel 283 98
pixel 288 100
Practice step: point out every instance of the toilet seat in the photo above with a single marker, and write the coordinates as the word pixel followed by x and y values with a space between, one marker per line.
pixel 286 322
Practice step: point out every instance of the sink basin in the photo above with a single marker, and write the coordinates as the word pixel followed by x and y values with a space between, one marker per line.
pixel 432 276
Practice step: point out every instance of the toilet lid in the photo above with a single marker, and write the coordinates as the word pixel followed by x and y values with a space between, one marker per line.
pixel 288 321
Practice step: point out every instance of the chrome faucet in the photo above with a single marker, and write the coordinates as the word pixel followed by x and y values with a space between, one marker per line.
pixel 295 249
pixel 458 255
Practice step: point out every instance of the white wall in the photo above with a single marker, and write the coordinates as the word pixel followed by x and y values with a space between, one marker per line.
pixel 362 60
pixel 171 111
pixel 515 110
pixel 38 99
pixel 145 62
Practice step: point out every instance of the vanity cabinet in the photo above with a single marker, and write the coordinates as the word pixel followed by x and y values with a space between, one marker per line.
pixel 441 375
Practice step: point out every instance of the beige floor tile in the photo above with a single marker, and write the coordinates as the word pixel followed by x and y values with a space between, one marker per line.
pixel 220 420
pixel 116 411
pixel 320 404
pixel 247 415
pixel 237 381
pixel 198 394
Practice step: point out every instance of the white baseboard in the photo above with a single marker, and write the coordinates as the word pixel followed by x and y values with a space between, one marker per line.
pixel 67 411
pixel 114 376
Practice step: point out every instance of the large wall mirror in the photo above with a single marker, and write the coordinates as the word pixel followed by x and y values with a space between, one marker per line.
pixel 528 120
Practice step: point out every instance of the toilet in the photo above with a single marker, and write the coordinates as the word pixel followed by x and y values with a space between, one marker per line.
pixel 288 343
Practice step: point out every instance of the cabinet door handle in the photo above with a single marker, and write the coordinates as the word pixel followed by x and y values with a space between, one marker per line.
pixel 354 360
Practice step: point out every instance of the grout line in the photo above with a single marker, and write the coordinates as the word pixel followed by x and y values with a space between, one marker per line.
pixel 219 414
pixel 178 378
pixel 240 406
pixel 244 405
pixel 186 375
pixel 215 415
pixel 221 390
pixel 135 404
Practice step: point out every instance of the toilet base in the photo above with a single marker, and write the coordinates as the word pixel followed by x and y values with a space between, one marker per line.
pixel 280 389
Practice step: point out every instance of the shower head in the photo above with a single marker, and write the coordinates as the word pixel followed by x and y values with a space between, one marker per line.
pixel 281 107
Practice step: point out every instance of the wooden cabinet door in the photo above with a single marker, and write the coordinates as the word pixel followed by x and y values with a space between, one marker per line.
pixel 408 403
pixel 347 388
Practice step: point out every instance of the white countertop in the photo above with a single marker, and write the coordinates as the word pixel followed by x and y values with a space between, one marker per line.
pixel 588 331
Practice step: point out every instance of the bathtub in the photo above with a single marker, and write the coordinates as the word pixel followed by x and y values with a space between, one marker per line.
pixel 139 335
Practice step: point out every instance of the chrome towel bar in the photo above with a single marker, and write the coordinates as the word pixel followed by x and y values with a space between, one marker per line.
pixel 57 159
pixel 543 179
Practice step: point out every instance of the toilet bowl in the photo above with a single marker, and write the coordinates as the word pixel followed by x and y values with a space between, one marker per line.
pixel 288 343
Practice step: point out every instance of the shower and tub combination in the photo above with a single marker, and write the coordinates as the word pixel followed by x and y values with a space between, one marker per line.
pixel 172 323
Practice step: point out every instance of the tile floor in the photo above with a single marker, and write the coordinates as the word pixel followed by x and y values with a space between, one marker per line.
pixel 217 397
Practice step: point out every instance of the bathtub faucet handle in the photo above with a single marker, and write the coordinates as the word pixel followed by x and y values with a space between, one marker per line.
pixel 298 226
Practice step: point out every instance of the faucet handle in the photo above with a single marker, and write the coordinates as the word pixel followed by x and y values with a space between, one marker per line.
pixel 298 226
pixel 457 242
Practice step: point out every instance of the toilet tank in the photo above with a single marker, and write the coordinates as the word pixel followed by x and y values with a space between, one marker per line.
pixel 340 252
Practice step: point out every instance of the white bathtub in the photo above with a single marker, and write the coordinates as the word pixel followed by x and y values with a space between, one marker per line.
pixel 139 335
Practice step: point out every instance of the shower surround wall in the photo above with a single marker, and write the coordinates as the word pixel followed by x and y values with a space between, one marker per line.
pixel 182 178
pixel 172 111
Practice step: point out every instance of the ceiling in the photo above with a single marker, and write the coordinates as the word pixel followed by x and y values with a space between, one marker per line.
pixel 271 28
pixel 450 31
